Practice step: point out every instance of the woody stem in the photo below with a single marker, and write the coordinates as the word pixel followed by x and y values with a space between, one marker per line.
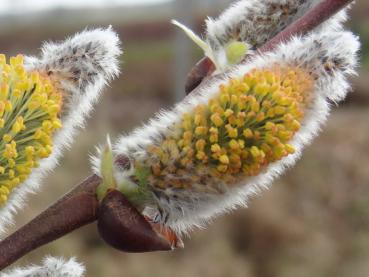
pixel 75 209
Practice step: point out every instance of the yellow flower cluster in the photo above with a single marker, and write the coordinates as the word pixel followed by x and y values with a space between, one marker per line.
pixel 247 125
pixel 29 111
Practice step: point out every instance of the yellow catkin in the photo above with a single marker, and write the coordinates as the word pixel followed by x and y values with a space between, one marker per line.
pixel 29 116
pixel 247 125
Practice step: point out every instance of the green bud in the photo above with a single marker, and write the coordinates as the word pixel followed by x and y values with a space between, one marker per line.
pixel 236 51
pixel 106 169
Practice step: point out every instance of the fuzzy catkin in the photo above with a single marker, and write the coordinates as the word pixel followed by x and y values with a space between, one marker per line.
pixel 79 67
pixel 257 21
pixel 327 57
pixel 30 108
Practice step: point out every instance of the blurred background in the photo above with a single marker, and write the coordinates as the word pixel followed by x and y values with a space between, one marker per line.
pixel 313 222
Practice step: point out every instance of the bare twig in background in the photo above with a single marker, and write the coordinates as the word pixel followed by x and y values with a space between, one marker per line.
pixel 79 207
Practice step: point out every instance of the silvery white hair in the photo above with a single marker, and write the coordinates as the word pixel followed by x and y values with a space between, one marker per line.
pixel 50 267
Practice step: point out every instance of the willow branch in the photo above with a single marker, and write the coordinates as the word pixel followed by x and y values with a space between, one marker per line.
pixel 75 209
pixel 80 206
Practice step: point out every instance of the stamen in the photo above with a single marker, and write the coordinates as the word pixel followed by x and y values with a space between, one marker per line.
pixel 246 126
pixel 29 116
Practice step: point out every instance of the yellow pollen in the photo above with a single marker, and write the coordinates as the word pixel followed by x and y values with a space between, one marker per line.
pixel 217 120
pixel 224 159
pixel 215 148
pixel 233 144
pixel 243 128
pixel 29 111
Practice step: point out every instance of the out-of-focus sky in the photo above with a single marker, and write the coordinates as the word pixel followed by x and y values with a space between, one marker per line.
pixel 22 6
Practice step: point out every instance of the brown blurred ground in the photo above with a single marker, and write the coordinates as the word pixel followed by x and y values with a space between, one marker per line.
pixel 313 222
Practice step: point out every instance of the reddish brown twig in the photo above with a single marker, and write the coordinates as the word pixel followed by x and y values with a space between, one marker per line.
pixel 80 206
pixel 302 26
pixel 77 208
